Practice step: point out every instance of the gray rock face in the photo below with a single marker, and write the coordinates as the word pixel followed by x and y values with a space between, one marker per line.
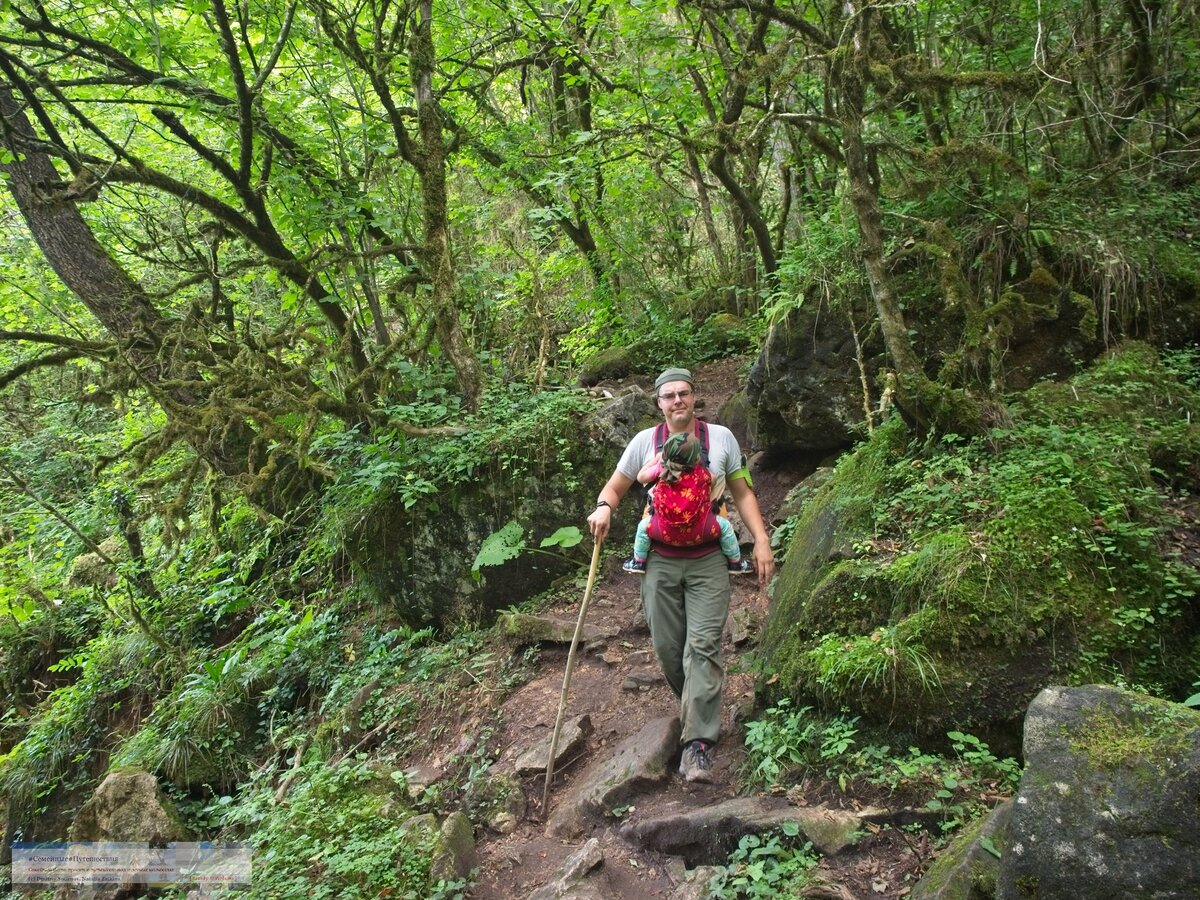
pixel 805 389
pixel 128 806
pixel 417 554
pixel 616 422
pixel 638 763
pixel 1109 805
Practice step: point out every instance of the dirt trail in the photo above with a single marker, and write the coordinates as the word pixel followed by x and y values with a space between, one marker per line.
pixel 513 865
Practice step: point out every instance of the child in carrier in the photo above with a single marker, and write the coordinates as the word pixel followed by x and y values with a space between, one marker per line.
pixel 681 508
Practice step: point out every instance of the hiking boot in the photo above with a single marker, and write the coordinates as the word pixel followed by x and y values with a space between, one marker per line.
pixel 635 566
pixel 741 567
pixel 696 762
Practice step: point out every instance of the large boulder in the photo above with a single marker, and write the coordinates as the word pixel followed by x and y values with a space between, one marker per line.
pixel 828 586
pixel 418 555
pixel 805 390
pixel 1108 805
pixel 129 806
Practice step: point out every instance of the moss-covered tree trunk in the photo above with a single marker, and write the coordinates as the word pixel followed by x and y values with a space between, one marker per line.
pixel 272 480
pixel 928 403
pixel 431 169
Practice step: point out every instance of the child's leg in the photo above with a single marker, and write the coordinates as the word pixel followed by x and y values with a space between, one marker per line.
pixel 729 541
pixel 641 540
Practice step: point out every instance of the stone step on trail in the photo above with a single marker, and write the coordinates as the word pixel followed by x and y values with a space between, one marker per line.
pixel 639 764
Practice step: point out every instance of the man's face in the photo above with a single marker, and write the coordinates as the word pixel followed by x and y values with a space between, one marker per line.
pixel 677 400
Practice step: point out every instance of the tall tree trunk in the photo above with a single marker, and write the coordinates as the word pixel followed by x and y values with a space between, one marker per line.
pixel 439 257
pixel 926 402
pixel 706 210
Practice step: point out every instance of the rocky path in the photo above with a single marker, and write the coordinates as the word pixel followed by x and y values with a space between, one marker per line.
pixel 621 777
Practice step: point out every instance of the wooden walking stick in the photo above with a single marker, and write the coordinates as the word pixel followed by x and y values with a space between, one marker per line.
pixel 562 701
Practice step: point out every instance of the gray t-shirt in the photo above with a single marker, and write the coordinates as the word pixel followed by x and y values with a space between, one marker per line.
pixel 724 455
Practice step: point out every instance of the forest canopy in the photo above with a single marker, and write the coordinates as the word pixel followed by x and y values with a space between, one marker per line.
pixel 274 214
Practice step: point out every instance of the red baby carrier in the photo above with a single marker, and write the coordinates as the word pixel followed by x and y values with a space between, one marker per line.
pixel 682 513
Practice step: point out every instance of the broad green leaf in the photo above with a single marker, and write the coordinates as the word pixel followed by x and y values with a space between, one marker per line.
pixel 568 536
pixel 500 546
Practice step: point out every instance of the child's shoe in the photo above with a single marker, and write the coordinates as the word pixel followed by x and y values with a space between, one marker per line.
pixel 741 567
pixel 635 566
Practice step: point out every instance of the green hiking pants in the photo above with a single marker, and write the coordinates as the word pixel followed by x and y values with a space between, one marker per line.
pixel 686 602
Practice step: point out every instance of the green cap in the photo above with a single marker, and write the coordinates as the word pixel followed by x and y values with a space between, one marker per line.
pixel 670 375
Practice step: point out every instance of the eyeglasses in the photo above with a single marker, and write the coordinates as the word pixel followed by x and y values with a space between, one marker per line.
pixel 670 398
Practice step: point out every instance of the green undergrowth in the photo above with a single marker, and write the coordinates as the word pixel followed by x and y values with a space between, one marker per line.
pixel 774 864
pixel 260 661
pixel 945 582
pixel 404 514
pixel 818 758
pixel 788 745
pixel 521 435
pixel 344 830
pixel 321 701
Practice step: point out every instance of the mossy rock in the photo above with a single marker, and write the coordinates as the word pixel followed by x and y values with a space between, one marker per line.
pixel 522 629
pixel 610 364
pixel 736 415
pixel 496 801
pixel 92 569
pixel 1110 775
pixel 969 868
pixel 1178 323
pixel 454 853
pixel 944 586
pixel 845 631
pixel 727 333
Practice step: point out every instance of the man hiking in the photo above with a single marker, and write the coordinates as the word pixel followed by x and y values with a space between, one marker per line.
pixel 685 591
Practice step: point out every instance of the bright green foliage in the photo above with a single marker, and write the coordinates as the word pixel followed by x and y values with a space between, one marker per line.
pixel 821 268
pixel 646 176
pixel 345 832
pixel 787 744
pixel 55 751
pixel 521 433
pixel 765 866
pixel 509 543
pixel 873 662
pixel 1193 700
pixel 204 731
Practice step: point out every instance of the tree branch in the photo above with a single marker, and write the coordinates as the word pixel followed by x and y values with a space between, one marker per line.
pixel 280 42
pixel 245 110
pixel 57 358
